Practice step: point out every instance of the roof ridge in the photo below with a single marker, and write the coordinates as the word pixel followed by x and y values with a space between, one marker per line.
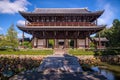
pixel 63 8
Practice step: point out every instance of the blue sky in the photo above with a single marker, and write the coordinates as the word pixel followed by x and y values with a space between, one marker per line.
pixel 9 10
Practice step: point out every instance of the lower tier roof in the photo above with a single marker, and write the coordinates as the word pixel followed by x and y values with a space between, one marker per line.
pixel 61 32
pixel 60 28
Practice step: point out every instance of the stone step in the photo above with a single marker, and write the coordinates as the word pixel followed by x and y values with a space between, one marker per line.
pixel 60 51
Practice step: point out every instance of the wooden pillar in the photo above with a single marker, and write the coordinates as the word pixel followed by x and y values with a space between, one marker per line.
pixel 36 42
pixel 66 43
pixel 32 42
pixel 85 42
pixel 23 37
pixel 55 43
pixel 46 43
pixel 75 43
pixel 88 42
pixel 99 41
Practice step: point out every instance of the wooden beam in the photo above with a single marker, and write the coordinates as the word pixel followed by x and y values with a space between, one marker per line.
pixel 23 36
pixel 99 41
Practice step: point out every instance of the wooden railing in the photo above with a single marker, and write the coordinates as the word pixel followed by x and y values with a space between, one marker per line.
pixel 60 24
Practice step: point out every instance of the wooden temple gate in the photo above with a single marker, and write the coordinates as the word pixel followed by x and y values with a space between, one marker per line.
pixel 65 24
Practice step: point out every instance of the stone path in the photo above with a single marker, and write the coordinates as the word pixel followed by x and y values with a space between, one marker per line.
pixel 60 63
pixel 58 67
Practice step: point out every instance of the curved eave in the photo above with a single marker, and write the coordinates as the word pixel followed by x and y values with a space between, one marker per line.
pixel 58 28
pixel 87 13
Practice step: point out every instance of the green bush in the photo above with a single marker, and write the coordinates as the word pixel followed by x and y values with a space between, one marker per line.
pixel 27 44
pixel 109 51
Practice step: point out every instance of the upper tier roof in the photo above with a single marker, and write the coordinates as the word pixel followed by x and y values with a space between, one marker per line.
pixel 62 11
pixel 84 12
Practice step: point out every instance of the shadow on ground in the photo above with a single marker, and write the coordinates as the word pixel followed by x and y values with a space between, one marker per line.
pixel 58 76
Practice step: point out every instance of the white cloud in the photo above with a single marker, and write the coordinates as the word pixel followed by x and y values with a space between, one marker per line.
pixel 109 14
pixel 1 29
pixel 21 23
pixel 6 6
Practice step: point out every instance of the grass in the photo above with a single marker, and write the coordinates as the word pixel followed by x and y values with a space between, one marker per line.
pixel 78 52
pixel 27 52
pixel 115 68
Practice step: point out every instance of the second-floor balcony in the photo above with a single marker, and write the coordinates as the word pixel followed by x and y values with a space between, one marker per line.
pixel 59 24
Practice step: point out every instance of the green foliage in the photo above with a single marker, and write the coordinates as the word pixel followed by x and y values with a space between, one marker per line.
pixel 102 33
pixel 92 45
pixel 112 34
pixel 9 41
pixel 28 52
pixel 51 42
pixel 27 44
pixel 78 52
pixel 109 51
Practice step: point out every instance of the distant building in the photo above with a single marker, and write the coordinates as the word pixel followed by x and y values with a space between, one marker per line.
pixel 61 24
pixel 101 42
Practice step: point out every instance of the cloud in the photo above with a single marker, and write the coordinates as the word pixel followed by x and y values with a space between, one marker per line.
pixel 8 7
pixel 109 14
pixel 21 23
pixel 1 29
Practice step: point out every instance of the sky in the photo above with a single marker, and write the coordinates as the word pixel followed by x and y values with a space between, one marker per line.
pixel 9 10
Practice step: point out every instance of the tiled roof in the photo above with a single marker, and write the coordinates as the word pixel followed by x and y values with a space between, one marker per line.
pixel 84 27
pixel 61 10
pixel 101 39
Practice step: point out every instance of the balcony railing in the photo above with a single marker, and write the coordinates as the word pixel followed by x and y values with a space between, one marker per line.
pixel 60 24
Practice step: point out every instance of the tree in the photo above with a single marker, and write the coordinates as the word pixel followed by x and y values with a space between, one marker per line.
pixel 102 33
pixel 11 37
pixel 112 34
pixel 3 42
